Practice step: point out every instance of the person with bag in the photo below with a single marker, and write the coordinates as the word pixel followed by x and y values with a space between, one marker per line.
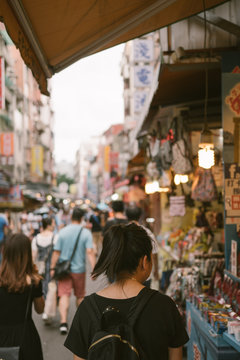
pixel 126 320
pixel 42 248
pixel 20 286
pixel 68 263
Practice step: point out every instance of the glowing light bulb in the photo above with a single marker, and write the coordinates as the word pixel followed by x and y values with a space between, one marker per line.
pixel 206 157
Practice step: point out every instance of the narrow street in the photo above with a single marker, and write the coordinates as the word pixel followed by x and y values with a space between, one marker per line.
pixel 52 340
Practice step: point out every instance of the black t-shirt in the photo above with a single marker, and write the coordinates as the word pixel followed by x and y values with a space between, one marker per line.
pixel 159 326
pixel 13 305
pixel 95 221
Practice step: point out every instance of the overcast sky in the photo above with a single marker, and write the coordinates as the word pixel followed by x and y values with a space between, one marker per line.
pixel 87 98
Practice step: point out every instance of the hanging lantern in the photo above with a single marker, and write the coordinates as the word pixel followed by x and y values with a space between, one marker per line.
pixel 206 149
pixel 206 157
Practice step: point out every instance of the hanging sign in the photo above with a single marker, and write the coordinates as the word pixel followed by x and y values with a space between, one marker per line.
pixel 37 161
pixel 234 257
pixel 177 206
pixel 143 50
pixel 143 75
pixel 232 191
pixel 139 100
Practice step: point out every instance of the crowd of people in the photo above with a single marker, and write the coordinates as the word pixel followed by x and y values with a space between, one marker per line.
pixel 119 246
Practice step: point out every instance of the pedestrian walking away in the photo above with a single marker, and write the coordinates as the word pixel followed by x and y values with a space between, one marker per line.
pixel 118 215
pixel 159 332
pixel 42 248
pixel 20 284
pixel 96 228
pixel 63 250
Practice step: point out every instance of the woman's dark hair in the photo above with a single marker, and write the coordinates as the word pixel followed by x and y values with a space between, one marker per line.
pixel 17 264
pixel 123 247
pixel 47 222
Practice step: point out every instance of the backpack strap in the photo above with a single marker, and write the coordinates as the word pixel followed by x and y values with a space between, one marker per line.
pixel 139 303
pixel 93 310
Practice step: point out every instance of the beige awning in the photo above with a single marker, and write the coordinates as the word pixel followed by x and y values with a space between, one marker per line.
pixel 53 34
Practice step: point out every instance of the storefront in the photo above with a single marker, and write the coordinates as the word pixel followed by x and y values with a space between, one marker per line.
pixel 198 198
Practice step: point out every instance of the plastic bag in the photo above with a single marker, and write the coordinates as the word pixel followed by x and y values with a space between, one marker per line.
pixel 51 299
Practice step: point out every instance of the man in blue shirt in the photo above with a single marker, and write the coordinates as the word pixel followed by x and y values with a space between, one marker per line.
pixel 63 250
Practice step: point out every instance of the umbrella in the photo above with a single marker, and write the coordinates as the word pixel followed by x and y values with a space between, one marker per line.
pixel 103 207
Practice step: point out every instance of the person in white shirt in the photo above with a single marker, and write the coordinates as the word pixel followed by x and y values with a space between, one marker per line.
pixel 42 248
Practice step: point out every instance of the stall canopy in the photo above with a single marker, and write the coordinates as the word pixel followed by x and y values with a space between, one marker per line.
pixel 53 34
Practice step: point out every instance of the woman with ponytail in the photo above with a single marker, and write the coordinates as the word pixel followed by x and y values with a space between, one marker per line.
pixel 20 286
pixel 126 260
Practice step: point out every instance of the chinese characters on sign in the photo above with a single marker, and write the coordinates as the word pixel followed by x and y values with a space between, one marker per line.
pixel 232 193
pixel 143 75
pixel 143 50
pixel 139 100
pixel 234 257
pixel 6 148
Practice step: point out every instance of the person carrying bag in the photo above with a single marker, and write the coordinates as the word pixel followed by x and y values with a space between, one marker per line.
pixel 63 268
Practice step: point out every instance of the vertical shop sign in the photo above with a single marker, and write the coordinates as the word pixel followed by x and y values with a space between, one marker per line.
pixel 143 50
pixel 106 159
pixel 234 257
pixel 7 144
pixel 2 84
pixel 139 100
pixel 37 161
pixel 7 148
pixel 232 193
pixel 143 75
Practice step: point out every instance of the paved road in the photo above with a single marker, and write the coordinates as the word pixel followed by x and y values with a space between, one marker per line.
pixel 52 340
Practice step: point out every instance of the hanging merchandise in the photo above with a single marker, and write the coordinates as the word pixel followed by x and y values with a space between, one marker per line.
pixel 152 170
pixel 164 157
pixel 181 162
pixel 204 187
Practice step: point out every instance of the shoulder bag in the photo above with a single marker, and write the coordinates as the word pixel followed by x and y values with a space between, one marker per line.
pixel 63 268
pixel 13 352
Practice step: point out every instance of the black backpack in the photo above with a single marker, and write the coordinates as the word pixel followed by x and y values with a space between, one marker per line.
pixel 114 338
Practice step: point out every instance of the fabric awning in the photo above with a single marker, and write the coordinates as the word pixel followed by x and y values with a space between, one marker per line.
pixel 137 163
pixel 182 83
pixel 53 34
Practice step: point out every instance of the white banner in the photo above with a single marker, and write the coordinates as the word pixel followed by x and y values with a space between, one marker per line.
pixel 143 50
pixel 143 75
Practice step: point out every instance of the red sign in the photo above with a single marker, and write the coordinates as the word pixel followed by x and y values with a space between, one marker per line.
pixel 2 84
pixel 114 160
pixel 236 202
pixel 233 100
pixel 7 144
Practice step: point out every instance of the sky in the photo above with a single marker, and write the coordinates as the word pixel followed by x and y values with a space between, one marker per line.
pixel 87 98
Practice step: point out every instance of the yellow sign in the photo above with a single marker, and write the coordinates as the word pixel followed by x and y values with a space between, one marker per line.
pixel 106 158
pixel 37 161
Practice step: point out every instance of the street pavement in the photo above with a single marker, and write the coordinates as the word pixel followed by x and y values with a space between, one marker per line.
pixel 52 340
